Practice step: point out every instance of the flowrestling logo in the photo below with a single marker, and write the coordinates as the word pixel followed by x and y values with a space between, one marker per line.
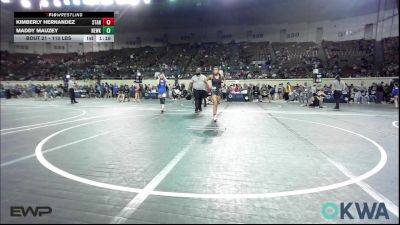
pixel 350 210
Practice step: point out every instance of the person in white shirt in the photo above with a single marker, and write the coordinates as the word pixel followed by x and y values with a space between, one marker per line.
pixel 338 86
pixel 199 85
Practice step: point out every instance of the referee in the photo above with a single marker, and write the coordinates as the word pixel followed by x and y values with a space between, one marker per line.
pixel 337 87
pixel 199 85
pixel 71 88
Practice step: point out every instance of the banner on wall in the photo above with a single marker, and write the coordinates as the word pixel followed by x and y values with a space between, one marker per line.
pixel 350 33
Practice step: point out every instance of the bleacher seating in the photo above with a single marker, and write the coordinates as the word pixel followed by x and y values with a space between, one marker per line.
pixel 262 59
pixel 353 57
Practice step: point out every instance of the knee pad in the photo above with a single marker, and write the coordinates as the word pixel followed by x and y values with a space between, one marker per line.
pixel 162 101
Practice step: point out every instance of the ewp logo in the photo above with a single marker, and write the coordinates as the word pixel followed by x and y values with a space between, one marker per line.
pixel 331 210
pixel 19 211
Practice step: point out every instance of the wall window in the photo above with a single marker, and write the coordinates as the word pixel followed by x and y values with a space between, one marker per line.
pixel 21 47
pixel 345 33
pixel 227 36
pixel 293 35
pixel 258 35
pixel 185 38
pixel 58 47
pixel 158 40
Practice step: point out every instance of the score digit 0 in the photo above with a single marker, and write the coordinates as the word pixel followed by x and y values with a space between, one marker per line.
pixel 108 21
pixel 108 30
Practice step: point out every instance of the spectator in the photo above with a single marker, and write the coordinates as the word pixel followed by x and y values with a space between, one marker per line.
pixel 387 93
pixel 274 93
pixel 288 91
pixel 7 90
pixel 362 94
pixel 395 95
pixel 372 92
pixel 379 93
pixel 115 91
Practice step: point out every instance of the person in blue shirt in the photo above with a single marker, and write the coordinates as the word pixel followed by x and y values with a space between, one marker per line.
pixel 132 91
pixel 162 90
pixel 395 94
pixel 115 90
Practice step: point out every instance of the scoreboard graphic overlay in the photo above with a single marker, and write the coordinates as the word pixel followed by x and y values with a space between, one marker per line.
pixel 63 26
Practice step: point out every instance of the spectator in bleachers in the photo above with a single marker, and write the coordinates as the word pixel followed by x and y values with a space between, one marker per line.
pixel 293 60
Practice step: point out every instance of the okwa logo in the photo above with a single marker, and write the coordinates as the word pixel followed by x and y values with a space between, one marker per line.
pixel 349 210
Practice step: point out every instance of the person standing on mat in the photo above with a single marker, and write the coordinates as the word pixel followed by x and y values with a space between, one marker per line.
pixel 71 88
pixel 337 87
pixel 198 86
pixel 162 90
pixel 216 84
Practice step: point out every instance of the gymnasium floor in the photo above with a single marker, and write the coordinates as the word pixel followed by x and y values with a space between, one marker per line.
pixel 100 161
